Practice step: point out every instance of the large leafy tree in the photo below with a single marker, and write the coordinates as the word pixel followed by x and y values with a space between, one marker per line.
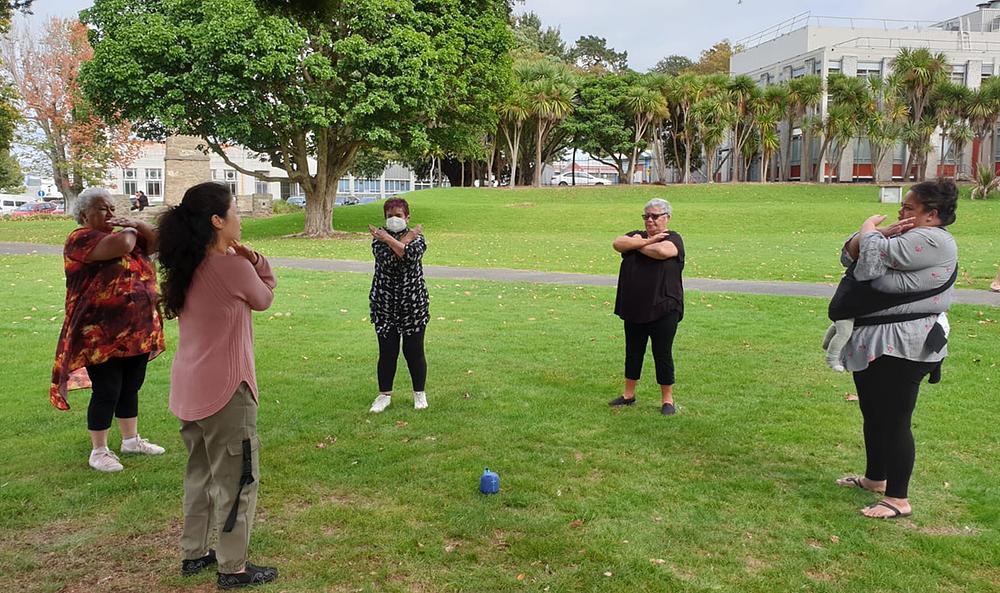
pixel 531 38
pixel 592 53
pixel 714 60
pixel 672 65
pixel 305 85
pixel 599 124
pixel 10 170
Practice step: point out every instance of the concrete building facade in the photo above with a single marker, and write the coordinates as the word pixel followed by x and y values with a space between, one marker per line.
pixel 807 44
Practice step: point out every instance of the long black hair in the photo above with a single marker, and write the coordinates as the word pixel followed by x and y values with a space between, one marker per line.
pixel 186 233
pixel 940 195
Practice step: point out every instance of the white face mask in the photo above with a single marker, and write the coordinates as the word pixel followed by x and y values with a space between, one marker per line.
pixel 395 223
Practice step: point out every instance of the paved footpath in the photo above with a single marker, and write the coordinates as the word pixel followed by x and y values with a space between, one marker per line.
pixel 803 289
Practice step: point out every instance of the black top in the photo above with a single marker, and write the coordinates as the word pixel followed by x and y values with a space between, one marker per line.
pixel 650 288
pixel 398 297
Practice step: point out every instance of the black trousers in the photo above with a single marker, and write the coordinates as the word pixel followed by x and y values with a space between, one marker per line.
pixel 661 333
pixel 413 352
pixel 116 386
pixel 887 392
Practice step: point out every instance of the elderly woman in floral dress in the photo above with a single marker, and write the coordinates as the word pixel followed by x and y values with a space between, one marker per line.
pixel 111 326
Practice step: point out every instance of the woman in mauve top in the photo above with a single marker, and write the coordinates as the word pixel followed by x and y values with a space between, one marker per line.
pixel 211 283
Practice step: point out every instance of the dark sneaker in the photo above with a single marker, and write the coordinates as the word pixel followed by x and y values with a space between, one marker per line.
pixel 254 575
pixel 621 400
pixel 668 410
pixel 193 567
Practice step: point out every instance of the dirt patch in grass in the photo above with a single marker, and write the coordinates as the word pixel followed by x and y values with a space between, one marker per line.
pixel 83 557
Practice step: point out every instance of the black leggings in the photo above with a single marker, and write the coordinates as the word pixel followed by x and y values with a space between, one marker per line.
pixel 661 332
pixel 413 352
pixel 116 386
pixel 887 392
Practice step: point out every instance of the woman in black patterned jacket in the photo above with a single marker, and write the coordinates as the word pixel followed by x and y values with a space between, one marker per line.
pixel 399 304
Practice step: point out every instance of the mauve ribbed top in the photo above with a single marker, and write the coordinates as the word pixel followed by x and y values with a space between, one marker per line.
pixel 215 347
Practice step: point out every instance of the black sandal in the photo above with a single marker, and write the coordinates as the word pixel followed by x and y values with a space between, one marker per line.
pixel 897 514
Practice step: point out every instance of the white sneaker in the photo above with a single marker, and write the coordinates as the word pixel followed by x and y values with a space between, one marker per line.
pixel 419 400
pixel 141 446
pixel 381 402
pixel 103 460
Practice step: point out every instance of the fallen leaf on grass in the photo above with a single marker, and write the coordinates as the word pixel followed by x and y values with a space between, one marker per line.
pixel 657 560
pixel 848 396
pixel 608 573
pixel 575 523
pixel 520 576
pixel 401 423
pixel 834 539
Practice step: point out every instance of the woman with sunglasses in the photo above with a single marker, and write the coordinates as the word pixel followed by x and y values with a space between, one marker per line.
pixel 650 300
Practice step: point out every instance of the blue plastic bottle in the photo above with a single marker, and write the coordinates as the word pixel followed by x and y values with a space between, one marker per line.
pixel 490 482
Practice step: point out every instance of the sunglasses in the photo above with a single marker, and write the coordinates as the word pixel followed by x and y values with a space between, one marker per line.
pixel 653 216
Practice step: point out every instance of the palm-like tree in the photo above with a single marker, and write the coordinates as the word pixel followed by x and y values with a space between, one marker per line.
pixel 883 119
pixel 982 109
pixel 711 120
pixel 804 93
pixel 919 72
pixel 687 91
pixel 768 111
pixel 743 91
pixel 514 111
pixel 549 87
pixel 647 105
pixel 952 103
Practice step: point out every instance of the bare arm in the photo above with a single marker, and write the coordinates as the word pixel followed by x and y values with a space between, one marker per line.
pixel 870 225
pixel 144 230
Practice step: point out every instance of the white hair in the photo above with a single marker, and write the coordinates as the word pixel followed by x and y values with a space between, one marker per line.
pixel 86 199
pixel 661 205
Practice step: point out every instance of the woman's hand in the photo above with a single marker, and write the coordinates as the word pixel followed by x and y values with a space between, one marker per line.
pixel 658 237
pixel 898 228
pixel 125 223
pixel 417 230
pixel 244 251
pixel 379 234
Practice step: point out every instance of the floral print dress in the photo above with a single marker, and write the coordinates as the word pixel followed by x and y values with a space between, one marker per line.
pixel 398 297
pixel 110 312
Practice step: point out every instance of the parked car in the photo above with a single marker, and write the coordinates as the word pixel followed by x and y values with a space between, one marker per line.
pixel 299 201
pixel 37 208
pixel 346 201
pixel 582 178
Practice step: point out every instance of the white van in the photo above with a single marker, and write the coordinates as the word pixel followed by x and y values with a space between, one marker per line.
pixel 11 202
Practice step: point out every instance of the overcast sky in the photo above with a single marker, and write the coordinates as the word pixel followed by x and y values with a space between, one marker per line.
pixel 652 29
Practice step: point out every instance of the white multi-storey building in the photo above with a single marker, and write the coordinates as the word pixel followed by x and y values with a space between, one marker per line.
pixel 146 173
pixel 807 44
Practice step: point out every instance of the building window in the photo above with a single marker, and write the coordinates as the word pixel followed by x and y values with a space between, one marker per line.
pixel 798 72
pixel 397 186
pixel 958 73
pixel 344 185
pixel 987 71
pixel 128 174
pixel 833 66
pixel 423 184
pixel 230 179
pixel 867 69
pixel 153 188
pixel 129 187
pixel 260 186
pixel 366 186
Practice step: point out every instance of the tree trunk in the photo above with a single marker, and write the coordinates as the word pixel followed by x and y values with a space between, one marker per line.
pixel 572 169
pixel 687 162
pixel 539 136
pixel 319 209
pixel 786 156
pixel 805 160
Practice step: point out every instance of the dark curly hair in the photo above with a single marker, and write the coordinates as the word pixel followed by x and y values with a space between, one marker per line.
pixel 940 195
pixel 186 233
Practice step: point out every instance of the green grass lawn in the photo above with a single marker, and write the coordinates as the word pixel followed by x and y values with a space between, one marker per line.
pixel 749 231
pixel 733 494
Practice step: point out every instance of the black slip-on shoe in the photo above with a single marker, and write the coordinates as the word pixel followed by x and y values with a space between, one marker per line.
pixel 254 575
pixel 668 410
pixel 621 400
pixel 193 567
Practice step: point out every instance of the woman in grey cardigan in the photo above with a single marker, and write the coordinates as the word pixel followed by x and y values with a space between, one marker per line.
pixel 892 350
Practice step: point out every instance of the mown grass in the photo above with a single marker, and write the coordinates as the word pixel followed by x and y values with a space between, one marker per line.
pixel 735 493
pixel 763 232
